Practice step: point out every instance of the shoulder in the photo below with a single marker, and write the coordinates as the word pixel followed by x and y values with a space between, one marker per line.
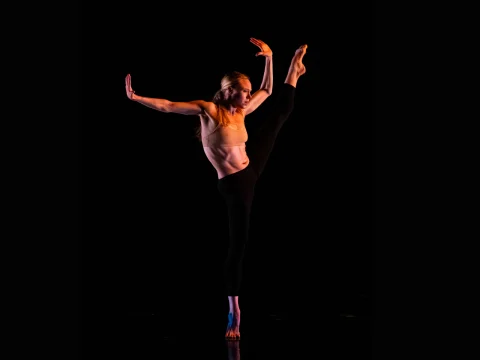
pixel 210 110
pixel 208 107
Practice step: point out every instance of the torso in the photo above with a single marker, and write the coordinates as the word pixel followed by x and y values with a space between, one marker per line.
pixel 225 146
pixel 227 159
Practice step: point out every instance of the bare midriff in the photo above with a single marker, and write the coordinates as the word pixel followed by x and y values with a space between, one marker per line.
pixel 227 160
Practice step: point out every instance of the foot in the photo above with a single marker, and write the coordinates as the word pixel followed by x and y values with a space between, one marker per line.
pixel 297 68
pixel 297 63
pixel 233 327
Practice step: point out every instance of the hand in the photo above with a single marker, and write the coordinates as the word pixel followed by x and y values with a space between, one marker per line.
pixel 128 87
pixel 266 51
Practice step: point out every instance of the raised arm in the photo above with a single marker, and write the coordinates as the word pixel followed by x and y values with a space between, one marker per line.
pixel 195 107
pixel 267 82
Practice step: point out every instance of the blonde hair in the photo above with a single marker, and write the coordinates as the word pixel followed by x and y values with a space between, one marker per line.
pixel 221 98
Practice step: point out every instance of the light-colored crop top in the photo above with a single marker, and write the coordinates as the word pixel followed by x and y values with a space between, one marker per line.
pixel 215 135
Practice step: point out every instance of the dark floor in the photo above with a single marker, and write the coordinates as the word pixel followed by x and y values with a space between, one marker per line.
pixel 264 335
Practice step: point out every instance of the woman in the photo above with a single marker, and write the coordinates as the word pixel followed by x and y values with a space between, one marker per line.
pixel 224 136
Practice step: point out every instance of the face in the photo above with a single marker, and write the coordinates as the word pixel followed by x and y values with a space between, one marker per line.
pixel 241 93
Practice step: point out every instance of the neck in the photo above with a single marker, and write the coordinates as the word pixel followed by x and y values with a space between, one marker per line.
pixel 231 109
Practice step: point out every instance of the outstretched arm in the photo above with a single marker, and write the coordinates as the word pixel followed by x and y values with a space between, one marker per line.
pixel 267 83
pixel 185 108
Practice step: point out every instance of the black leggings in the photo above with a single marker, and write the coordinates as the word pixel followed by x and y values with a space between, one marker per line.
pixel 237 189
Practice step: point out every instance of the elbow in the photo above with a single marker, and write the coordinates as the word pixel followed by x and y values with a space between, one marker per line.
pixel 167 107
pixel 268 91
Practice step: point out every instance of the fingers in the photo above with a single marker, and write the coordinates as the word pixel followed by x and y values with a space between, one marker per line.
pixel 256 42
pixel 264 47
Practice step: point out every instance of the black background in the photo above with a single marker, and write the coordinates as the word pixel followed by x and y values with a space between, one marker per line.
pixel 154 229
pixel 146 238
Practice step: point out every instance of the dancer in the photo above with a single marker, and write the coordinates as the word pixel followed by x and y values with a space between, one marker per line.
pixel 224 138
